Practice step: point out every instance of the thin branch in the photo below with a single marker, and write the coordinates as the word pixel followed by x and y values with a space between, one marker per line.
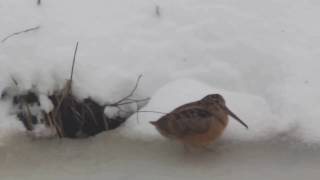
pixel 105 121
pixel 59 125
pixel 134 101
pixel 145 99
pixel 91 113
pixel 128 100
pixel 158 11
pixel 132 91
pixel 128 97
pixel 14 80
pixel 29 116
pixel 74 60
pixel 67 88
pixel 157 112
pixel 20 32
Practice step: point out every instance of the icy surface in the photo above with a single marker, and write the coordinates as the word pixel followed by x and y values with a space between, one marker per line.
pixel 262 56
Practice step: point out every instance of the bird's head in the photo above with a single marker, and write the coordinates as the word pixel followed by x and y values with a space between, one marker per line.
pixel 219 100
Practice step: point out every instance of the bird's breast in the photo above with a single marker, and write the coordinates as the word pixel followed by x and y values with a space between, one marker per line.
pixel 214 132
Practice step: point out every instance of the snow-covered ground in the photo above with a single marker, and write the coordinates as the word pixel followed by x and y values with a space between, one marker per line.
pixel 262 56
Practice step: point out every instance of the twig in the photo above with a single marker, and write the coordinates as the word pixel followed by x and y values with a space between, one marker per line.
pixel 134 101
pixel 158 11
pixel 105 121
pixel 52 124
pixel 47 118
pixel 68 87
pixel 152 112
pixel 20 32
pixel 91 113
pixel 74 60
pixel 29 116
pixel 39 2
pixel 127 99
pixel 14 80
pixel 58 125
pixel 78 116
pixel 69 82
pixel 132 91
pixel 157 112
pixel 66 92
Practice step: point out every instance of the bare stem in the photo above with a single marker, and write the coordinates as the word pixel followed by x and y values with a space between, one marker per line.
pixel 74 60
pixel 14 80
pixel 130 101
pixel 20 32
pixel 127 99
pixel 68 87
pixel 158 11
pixel 132 91
pixel 157 112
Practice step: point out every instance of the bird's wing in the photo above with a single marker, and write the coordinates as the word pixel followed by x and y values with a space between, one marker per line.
pixel 191 121
pixel 186 106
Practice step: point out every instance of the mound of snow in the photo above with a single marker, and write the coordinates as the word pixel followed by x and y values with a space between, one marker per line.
pixel 252 109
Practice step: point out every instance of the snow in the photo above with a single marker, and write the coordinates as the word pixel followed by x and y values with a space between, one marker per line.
pixel 45 103
pixel 262 56
pixel 40 131
pixel 253 109
pixel 111 111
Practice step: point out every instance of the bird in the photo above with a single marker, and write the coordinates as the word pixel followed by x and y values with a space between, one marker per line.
pixel 197 124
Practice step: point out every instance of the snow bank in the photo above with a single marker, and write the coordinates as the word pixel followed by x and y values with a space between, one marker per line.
pixel 252 109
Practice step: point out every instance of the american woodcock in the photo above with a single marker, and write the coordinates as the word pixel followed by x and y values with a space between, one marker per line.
pixel 197 123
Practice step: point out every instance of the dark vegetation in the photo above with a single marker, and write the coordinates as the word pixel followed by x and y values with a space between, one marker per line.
pixel 70 117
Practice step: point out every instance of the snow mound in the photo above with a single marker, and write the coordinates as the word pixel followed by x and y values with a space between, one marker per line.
pixel 252 109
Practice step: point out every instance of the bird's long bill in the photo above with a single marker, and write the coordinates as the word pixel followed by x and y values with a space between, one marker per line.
pixel 235 117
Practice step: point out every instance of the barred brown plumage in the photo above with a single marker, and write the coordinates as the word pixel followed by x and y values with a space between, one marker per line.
pixel 197 123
